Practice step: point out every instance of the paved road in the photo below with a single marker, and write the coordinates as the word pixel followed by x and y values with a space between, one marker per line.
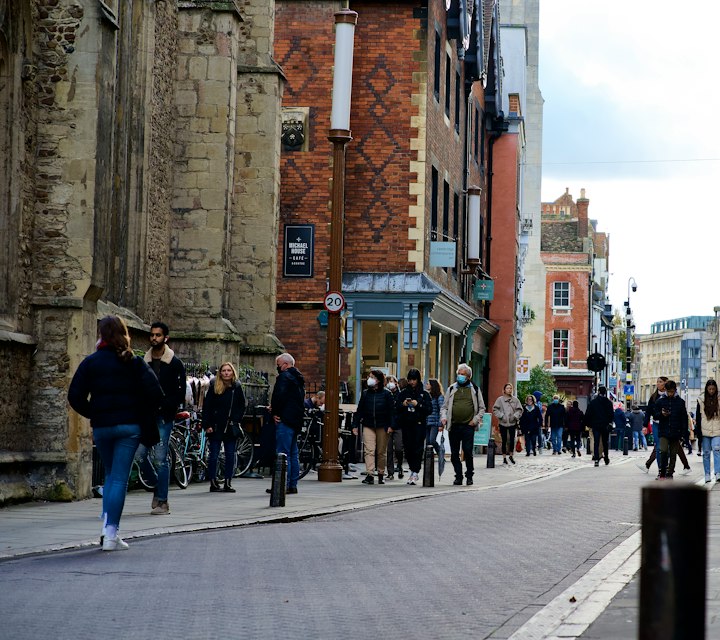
pixel 477 564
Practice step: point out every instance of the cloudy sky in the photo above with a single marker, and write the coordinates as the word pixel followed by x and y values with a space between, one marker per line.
pixel 631 115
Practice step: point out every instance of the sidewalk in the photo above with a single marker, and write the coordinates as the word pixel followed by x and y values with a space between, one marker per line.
pixel 41 527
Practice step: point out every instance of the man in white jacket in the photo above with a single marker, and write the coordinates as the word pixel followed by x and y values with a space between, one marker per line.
pixel 461 414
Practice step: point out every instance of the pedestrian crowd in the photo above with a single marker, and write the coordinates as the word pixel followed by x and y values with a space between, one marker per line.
pixel 132 402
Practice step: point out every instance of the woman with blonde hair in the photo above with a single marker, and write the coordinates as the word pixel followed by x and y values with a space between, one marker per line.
pixel 224 406
pixel 117 391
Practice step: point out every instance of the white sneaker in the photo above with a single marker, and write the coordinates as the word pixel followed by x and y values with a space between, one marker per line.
pixel 642 466
pixel 349 476
pixel 684 472
pixel 114 544
pixel 708 479
pixel 413 478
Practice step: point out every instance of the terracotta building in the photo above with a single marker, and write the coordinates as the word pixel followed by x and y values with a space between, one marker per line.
pixel 425 104
pixel 575 255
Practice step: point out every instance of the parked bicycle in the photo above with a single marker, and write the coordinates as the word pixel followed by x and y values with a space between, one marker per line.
pixel 310 442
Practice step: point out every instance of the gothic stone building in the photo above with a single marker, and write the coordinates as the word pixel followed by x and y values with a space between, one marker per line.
pixel 140 176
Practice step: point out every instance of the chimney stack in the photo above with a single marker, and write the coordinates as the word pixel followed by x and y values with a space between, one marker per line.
pixel 582 208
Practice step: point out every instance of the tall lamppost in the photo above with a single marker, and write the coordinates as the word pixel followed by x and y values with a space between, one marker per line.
pixel 330 469
pixel 628 327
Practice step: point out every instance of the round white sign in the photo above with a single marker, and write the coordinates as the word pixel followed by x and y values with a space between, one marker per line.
pixel 334 302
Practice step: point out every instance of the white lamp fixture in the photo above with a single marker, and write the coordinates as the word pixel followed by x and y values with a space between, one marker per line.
pixel 473 225
pixel 345 22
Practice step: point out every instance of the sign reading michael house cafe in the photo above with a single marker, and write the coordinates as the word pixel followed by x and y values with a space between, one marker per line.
pixel 299 251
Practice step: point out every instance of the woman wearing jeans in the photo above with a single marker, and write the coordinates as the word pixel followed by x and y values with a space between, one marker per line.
pixel 113 388
pixel 224 405
pixel 708 420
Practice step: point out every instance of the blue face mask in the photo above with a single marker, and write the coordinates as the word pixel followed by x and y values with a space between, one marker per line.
pixel 461 378
pixel 555 400
pixel 529 407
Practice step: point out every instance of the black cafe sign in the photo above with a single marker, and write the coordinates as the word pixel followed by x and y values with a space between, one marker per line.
pixel 299 250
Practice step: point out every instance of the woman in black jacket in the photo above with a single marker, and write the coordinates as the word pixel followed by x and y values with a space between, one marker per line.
pixel 117 391
pixel 412 408
pixel 375 413
pixel 224 405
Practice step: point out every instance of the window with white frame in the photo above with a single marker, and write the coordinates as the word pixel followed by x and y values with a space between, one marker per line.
pixel 561 351
pixel 561 294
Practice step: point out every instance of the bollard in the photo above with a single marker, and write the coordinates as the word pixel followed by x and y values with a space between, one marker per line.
pixel 626 443
pixel 587 446
pixel 673 574
pixel 279 481
pixel 429 467
pixel 491 454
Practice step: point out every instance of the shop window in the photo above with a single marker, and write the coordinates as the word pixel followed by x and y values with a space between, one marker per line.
pixel 457 100
pixel 446 211
pixel 448 84
pixel 561 352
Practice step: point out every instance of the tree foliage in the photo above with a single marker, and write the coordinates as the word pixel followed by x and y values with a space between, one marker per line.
pixel 540 380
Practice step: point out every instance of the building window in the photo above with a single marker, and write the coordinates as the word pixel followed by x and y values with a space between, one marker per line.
pixel 560 355
pixel 448 84
pixel 561 294
pixel 476 136
pixel 446 211
pixel 456 225
pixel 434 205
pixel 457 100
pixel 436 78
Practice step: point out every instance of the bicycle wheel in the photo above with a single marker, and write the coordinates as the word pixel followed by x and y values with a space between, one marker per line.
pixel 178 470
pixel 244 450
pixel 146 482
pixel 308 458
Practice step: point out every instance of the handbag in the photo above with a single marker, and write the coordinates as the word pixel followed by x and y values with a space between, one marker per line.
pixel 234 427
pixel 518 446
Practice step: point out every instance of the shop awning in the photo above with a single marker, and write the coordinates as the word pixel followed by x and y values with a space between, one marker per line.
pixel 403 296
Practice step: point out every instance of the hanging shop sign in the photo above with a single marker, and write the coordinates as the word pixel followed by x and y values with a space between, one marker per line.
pixel 442 254
pixel 484 290
pixel 299 251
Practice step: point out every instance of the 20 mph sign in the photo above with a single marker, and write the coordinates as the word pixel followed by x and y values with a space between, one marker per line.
pixel 334 302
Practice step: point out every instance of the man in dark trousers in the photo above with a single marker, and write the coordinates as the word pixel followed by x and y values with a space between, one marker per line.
pixel 288 412
pixel 672 415
pixel 170 371
pixel 599 417
pixel 555 418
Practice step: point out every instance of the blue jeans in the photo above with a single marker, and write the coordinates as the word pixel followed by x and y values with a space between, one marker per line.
pixel 229 446
pixel 116 446
pixel 556 439
pixel 155 464
pixel 708 445
pixel 431 438
pixel 286 442
pixel 639 436
pixel 531 438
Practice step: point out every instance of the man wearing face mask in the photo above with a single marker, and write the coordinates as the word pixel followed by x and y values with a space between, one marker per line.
pixel 461 414
pixel 395 452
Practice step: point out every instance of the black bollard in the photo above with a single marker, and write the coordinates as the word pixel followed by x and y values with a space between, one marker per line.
pixel 672 575
pixel 587 446
pixel 279 481
pixel 491 454
pixel 626 443
pixel 429 467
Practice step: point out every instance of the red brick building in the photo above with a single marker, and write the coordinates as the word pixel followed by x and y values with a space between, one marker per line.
pixel 570 248
pixel 424 106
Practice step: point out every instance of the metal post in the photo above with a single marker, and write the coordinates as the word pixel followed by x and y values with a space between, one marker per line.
pixel 626 443
pixel 429 467
pixel 673 574
pixel 491 454
pixel 345 21
pixel 279 481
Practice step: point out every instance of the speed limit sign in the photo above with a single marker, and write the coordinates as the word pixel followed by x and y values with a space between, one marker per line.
pixel 334 302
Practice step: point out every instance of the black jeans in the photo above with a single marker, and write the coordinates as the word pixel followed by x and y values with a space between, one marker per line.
pixel 462 435
pixel 604 433
pixel 414 445
pixel 575 440
pixel 507 436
